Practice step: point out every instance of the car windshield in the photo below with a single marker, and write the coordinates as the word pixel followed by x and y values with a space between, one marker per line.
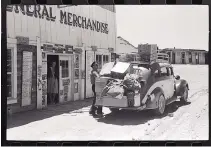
pixel 140 70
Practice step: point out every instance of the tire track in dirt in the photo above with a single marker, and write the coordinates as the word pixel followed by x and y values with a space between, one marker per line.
pixel 187 125
pixel 165 123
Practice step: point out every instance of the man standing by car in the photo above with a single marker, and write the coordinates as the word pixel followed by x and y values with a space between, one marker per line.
pixel 94 74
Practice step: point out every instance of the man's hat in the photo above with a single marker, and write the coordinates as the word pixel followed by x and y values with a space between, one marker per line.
pixel 94 63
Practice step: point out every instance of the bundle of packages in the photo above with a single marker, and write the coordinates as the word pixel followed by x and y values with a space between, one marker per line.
pixel 131 82
pixel 114 89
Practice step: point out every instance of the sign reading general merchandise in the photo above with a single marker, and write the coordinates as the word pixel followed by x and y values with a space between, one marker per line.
pixel 66 18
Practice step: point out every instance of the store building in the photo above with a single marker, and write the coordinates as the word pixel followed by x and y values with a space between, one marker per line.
pixel 186 56
pixel 69 37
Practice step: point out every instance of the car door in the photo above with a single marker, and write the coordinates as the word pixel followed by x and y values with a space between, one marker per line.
pixel 167 82
pixel 171 82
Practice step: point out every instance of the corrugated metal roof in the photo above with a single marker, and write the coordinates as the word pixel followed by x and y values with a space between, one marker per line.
pixel 128 43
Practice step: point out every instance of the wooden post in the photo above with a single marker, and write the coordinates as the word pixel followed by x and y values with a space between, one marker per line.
pixel 39 75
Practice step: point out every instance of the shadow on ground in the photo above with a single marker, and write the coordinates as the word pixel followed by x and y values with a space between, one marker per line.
pixel 24 118
pixel 124 117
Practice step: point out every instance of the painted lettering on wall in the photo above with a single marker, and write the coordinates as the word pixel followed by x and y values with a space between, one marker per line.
pixel 66 18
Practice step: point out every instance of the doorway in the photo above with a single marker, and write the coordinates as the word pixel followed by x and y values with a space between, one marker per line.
pixel 206 58
pixel 183 58
pixel 52 97
pixel 173 57
pixel 190 57
pixel 197 58
pixel 169 54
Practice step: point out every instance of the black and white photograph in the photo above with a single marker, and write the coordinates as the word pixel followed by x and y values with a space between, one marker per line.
pixel 107 72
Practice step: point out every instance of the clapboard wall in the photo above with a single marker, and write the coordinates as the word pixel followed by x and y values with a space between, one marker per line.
pixel 56 32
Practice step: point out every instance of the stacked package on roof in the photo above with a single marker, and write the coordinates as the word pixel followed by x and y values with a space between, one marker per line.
pixel 147 52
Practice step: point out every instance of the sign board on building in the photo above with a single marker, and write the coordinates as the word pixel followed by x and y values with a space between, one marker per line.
pixel 59 48
pixel 67 18
pixel 48 47
pixel 78 50
pixel 26 78
pixel 22 40
pixel 69 49
pixel 94 48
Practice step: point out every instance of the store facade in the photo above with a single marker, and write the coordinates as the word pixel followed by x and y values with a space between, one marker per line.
pixel 66 39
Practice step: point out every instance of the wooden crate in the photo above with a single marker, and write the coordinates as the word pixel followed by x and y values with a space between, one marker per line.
pixel 147 53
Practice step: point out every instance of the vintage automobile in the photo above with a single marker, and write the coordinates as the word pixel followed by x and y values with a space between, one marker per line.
pixel 155 86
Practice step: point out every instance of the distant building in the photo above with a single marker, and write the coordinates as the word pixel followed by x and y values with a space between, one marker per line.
pixel 186 56
pixel 124 47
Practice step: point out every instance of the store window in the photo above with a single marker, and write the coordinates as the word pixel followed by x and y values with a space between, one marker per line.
pixel 105 59
pixel 101 60
pixel 65 69
pixel 9 73
pixel 76 61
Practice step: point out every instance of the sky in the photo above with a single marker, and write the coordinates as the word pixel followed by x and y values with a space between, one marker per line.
pixel 185 27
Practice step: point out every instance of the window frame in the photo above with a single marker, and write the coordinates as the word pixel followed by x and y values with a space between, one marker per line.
pixel 102 62
pixel 13 48
pixel 65 68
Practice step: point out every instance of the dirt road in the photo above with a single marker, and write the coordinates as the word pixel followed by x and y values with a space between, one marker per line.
pixel 180 122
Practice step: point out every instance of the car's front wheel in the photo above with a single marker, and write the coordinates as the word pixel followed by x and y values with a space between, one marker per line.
pixel 184 98
pixel 161 103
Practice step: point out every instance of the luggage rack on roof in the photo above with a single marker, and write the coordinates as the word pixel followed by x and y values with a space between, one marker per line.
pixel 162 58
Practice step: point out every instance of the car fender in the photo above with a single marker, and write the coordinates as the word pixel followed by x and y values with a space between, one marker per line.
pixel 152 101
pixel 180 87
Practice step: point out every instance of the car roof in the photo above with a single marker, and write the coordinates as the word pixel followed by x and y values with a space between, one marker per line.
pixel 164 65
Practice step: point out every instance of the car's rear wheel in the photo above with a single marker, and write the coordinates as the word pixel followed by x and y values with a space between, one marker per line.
pixel 184 98
pixel 114 110
pixel 161 103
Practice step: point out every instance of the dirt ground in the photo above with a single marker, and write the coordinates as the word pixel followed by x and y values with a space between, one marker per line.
pixel 72 122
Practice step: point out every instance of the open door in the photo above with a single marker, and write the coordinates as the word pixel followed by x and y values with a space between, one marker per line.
pixel 65 75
